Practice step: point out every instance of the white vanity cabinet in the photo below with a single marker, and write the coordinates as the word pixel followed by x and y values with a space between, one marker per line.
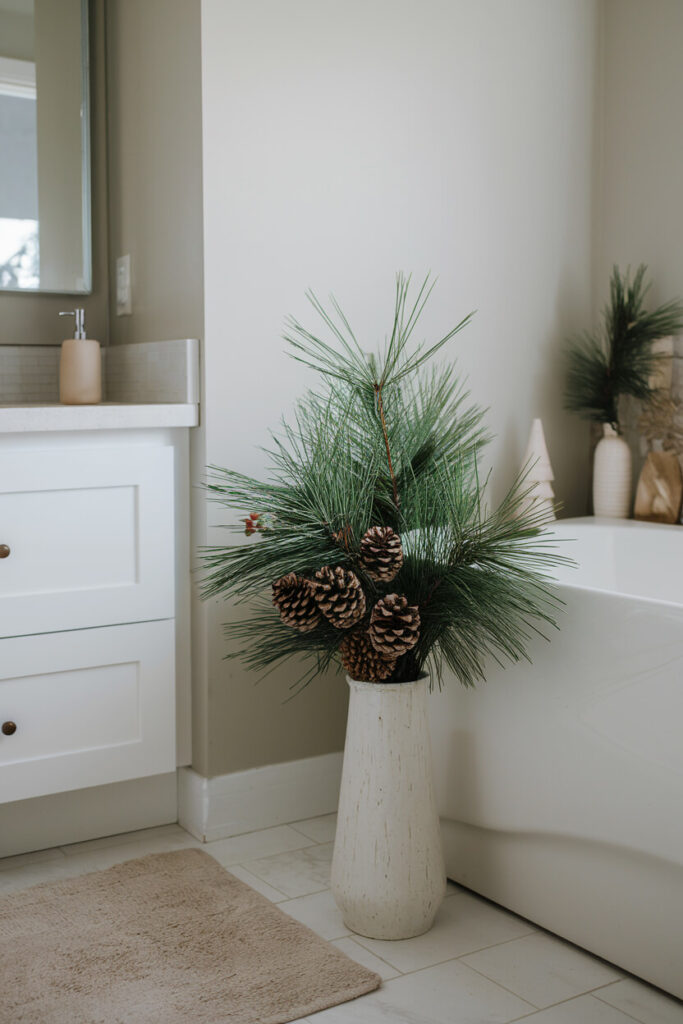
pixel 90 707
pixel 89 642
pixel 87 535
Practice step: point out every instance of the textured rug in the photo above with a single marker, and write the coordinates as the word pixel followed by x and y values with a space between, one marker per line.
pixel 171 938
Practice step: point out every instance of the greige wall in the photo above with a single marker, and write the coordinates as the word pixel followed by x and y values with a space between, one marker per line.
pixel 639 200
pixel 340 145
pixel 16 32
pixel 32 319
pixel 638 196
pixel 155 214
pixel 155 159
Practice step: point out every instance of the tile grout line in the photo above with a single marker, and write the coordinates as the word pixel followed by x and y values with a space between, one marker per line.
pixel 625 1012
pixel 302 896
pixel 505 987
pixel 579 995
pixel 351 935
pixel 254 875
pixel 315 842
pixel 449 959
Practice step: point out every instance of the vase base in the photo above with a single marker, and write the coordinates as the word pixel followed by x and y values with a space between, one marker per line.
pixel 389 934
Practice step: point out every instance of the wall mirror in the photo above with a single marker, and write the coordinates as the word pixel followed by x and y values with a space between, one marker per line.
pixel 45 146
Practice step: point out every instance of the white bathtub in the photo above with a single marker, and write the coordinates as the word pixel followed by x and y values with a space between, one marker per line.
pixel 560 784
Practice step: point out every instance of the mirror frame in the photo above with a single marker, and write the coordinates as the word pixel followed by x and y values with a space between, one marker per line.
pixel 86 173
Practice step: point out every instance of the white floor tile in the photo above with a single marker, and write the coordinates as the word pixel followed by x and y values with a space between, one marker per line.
pixel 644 1003
pixel 319 912
pixel 298 872
pixel 542 969
pixel 507 969
pixel 267 841
pixel 33 874
pixel 274 895
pixel 451 993
pixel 125 838
pixel 21 860
pixel 464 924
pixel 140 848
pixel 100 857
pixel 582 1010
pixel 363 956
pixel 320 830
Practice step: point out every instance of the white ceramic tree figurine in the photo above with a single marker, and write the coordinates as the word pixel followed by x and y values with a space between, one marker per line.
pixel 540 473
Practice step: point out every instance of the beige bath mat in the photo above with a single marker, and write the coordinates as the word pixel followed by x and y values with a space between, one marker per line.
pixel 171 938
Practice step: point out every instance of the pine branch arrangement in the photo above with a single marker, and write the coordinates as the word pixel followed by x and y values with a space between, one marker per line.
pixel 379 553
pixel 617 359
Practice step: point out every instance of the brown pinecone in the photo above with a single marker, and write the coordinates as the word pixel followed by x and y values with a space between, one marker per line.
pixel 293 598
pixel 381 553
pixel 339 595
pixel 361 660
pixel 394 626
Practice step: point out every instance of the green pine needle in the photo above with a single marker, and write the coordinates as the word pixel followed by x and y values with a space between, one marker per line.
pixel 618 358
pixel 384 441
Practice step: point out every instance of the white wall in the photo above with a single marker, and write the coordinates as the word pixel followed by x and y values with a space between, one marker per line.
pixel 341 144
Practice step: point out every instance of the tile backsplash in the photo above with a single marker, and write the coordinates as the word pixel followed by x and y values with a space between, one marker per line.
pixel 150 373
pixel 29 374
pixel 156 371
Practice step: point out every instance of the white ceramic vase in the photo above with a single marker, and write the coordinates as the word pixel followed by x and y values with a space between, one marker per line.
pixel 612 475
pixel 388 876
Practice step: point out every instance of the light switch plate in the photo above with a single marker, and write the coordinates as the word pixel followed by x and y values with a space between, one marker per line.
pixel 124 291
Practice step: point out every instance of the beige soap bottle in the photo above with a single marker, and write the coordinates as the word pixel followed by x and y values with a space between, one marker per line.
pixel 80 368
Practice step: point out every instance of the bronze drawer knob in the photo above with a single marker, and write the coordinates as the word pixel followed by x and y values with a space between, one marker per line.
pixel 9 728
pixel 4 550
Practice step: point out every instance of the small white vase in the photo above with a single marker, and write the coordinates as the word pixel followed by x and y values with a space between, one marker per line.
pixel 388 876
pixel 612 475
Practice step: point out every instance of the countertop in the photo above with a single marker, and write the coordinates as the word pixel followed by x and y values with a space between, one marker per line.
pixel 106 416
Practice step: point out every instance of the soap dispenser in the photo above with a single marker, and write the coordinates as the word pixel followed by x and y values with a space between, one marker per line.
pixel 80 367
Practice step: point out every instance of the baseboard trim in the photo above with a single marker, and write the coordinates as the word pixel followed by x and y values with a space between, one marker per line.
pixel 80 814
pixel 228 805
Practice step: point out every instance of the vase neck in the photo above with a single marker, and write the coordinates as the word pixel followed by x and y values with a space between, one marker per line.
pixel 609 431
pixel 411 684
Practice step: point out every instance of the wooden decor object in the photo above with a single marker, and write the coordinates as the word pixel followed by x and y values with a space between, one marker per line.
pixel 660 489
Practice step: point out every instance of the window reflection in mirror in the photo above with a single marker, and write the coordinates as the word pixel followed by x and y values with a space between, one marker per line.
pixel 44 142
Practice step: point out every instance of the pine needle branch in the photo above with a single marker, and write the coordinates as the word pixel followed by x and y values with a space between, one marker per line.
pixel 384 442
pixel 618 359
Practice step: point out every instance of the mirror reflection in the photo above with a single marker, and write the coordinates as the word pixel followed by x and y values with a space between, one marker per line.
pixel 44 146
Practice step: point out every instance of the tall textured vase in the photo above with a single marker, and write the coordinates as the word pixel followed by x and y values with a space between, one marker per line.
pixel 612 475
pixel 388 876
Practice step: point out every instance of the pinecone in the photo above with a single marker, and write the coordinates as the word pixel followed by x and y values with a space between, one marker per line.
pixel 293 598
pixel 394 626
pixel 381 553
pixel 361 660
pixel 339 595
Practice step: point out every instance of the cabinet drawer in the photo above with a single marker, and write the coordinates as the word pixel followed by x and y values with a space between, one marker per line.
pixel 90 537
pixel 90 707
